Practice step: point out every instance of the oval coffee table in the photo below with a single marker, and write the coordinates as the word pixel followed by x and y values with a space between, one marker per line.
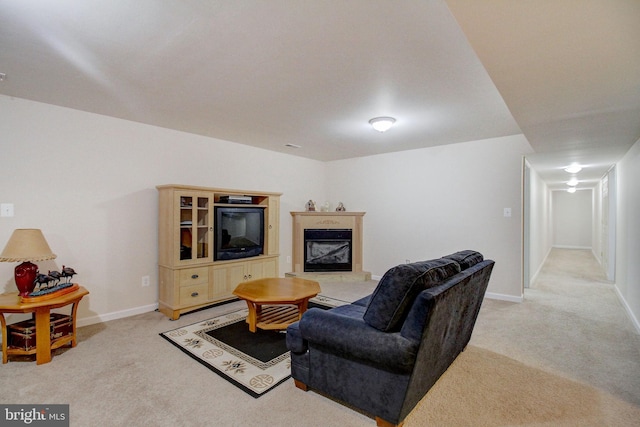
pixel 275 303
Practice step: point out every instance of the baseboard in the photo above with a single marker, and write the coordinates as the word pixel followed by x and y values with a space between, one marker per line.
pixel 86 321
pixel 503 297
pixel 632 317
pixel 588 248
pixel 534 277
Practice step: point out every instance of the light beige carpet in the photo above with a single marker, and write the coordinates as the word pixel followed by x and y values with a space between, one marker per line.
pixel 483 388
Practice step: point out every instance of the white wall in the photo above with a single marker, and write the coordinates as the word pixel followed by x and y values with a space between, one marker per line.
pixel 540 232
pixel 573 219
pixel 628 232
pixel 596 226
pixel 88 181
pixel 426 203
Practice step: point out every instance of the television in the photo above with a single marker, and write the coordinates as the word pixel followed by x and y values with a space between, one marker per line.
pixel 239 232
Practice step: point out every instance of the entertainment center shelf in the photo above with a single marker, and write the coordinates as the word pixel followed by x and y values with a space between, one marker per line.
pixel 210 240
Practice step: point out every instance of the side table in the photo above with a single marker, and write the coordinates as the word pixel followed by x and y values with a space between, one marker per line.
pixel 12 303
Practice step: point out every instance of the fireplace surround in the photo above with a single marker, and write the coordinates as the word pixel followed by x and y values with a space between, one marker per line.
pixel 327 242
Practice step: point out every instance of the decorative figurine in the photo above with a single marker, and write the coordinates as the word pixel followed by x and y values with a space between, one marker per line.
pixel 43 282
pixel 340 207
pixel 310 206
pixel 55 277
pixel 68 273
pixel 43 279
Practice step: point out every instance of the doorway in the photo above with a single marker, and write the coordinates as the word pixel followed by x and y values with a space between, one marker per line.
pixel 538 223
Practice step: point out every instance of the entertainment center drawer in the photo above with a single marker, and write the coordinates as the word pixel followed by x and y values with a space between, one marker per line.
pixel 194 276
pixel 195 294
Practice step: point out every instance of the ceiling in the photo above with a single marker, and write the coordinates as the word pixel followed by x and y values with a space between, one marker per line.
pixel 277 73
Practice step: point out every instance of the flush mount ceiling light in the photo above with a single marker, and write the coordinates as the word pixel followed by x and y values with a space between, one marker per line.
pixel 574 168
pixel 382 124
pixel 572 182
pixel 571 190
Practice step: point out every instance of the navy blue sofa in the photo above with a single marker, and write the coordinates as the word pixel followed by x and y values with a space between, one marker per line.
pixel 382 354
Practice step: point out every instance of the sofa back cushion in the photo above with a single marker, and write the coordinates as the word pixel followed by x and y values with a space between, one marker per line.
pixel 398 288
pixel 466 259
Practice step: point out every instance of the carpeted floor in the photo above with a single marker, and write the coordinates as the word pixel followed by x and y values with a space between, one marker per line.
pixel 566 356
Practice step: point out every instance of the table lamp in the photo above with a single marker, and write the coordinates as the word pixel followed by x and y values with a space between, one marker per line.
pixel 26 244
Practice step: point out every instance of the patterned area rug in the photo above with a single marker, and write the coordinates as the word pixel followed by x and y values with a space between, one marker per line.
pixel 256 363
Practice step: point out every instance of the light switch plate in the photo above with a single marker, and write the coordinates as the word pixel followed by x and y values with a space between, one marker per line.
pixel 6 209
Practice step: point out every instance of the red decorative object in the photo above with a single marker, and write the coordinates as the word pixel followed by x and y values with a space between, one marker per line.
pixel 26 245
pixel 25 275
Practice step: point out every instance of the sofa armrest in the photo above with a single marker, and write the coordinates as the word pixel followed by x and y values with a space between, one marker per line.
pixel 295 342
pixel 352 338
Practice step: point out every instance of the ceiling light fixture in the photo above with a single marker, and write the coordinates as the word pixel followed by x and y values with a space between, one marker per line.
pixel 574 168
pixel 572 182
pixel 382 124
pixel 571 190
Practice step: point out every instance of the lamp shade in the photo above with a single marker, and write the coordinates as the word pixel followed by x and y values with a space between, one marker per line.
pixel 26 244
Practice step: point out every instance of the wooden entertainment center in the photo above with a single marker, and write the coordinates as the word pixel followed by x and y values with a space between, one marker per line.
pixel 189 276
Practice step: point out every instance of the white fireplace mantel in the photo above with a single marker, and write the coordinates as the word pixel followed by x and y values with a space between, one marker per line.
pixel 327 220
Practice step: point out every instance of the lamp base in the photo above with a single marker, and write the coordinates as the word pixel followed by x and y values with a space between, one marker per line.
pixel 25 275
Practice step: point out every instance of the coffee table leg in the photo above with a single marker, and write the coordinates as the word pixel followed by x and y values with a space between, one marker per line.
pixel 302 307
pixel 252 318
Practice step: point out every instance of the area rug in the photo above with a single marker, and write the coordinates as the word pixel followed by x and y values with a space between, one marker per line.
pixel 254 362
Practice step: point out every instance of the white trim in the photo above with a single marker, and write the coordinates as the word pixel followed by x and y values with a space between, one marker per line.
pixel 503 297
pixel 589 248
pixel 533 279
pixel 632 317
pixel 86 321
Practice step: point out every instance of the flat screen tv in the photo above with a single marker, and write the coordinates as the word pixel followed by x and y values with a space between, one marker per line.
pixel 239 232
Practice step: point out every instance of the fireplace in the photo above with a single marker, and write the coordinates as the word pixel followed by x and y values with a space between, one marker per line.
pixel 328 249
pixel 326 242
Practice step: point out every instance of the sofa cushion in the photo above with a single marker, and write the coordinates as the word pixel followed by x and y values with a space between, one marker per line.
pixel 466 259
pixel 363 302
pixel 398 288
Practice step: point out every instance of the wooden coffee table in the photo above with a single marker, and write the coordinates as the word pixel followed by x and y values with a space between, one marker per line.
pixel 275 303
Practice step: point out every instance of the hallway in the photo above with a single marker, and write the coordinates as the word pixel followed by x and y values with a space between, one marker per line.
pixel 571 323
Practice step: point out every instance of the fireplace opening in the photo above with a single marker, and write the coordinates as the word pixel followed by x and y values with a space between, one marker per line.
pixel 327 250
